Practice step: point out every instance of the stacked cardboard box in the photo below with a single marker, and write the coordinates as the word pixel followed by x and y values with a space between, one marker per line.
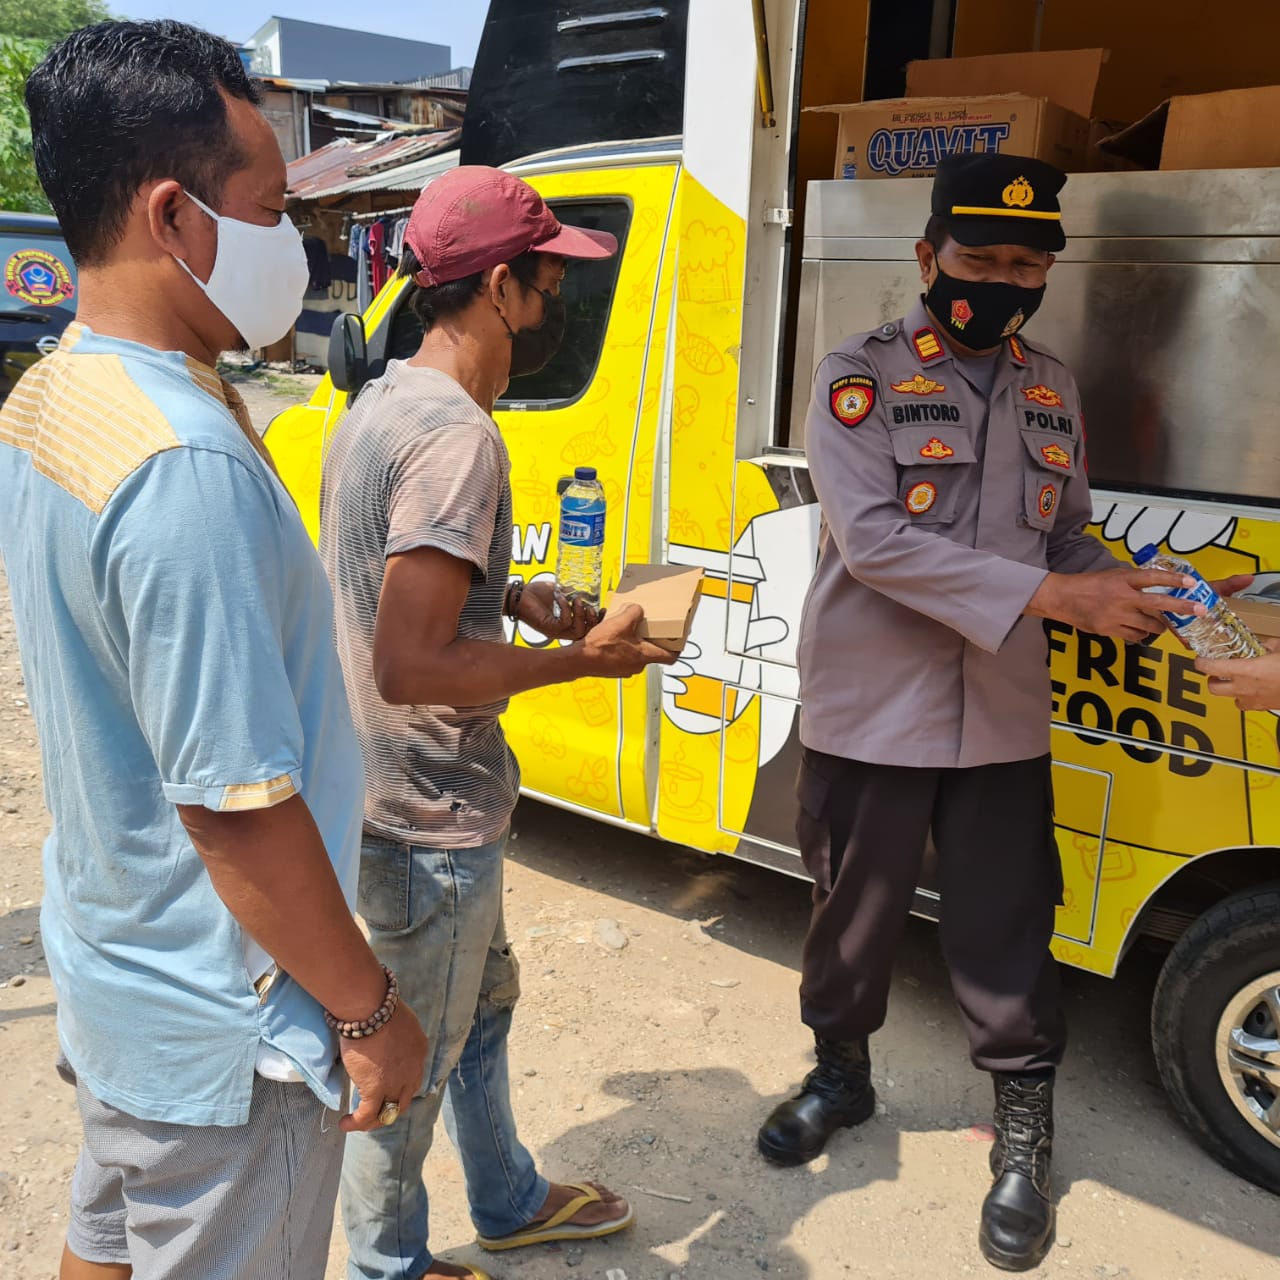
pixel 1037 104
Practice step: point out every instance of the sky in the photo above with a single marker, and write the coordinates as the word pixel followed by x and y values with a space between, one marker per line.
pixel 456 23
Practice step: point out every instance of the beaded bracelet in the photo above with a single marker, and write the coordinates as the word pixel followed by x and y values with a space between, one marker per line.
pixel 511 604
pixel 361 1027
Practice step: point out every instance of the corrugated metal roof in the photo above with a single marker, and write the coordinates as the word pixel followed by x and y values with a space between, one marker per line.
pixel 343 166
pixel 409 177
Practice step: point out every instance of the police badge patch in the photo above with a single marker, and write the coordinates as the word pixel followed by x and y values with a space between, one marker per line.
pixel 852 398
pixel 921 497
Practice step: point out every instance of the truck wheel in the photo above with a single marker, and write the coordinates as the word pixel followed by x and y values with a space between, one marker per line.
pixel 1215 1030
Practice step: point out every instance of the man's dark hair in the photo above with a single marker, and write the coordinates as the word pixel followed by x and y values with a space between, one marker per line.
pixel 121 104
pixel 937 231
pixel 440 301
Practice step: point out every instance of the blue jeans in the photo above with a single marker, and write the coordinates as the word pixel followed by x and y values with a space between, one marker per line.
pixel 435 918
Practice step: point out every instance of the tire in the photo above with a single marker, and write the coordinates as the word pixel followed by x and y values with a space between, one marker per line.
pixel 1218 978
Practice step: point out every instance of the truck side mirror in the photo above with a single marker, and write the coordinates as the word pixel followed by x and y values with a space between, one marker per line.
pixel 348 354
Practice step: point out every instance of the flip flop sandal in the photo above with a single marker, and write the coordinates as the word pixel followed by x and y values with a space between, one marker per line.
pixel 559 1226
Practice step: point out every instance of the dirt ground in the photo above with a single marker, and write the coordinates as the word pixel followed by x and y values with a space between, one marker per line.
pixel 650 1068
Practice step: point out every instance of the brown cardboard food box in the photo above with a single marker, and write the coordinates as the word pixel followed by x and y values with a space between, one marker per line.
pixel 905 137
pixel 668 594
pixel 1262 617
pixel 1234 129
pixel 1068 77
pixel 1035 104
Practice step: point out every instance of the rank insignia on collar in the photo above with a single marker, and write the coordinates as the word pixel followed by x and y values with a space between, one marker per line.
pixel 927 344
pixel 1056 456
pixel 936 449
pixel 921 497
pixel 852 398
pixel 1016 351
pixel 918 386
pixel 1042 395
pixel 1048 500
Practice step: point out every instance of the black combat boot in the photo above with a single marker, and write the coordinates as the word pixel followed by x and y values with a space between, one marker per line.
pixel 1018 1215
pixel 836 1094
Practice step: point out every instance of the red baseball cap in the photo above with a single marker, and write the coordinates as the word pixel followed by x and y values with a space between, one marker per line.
pixel 474 217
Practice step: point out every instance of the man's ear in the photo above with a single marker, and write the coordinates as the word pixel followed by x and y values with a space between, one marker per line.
pixel 499 285
pixel 927 257
pixel 171 218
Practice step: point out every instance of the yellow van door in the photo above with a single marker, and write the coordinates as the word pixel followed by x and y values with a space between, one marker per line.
pixel 586 744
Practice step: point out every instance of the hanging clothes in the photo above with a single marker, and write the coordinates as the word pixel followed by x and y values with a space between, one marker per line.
pixel 364 277
pixel 321 276
pixel 378 255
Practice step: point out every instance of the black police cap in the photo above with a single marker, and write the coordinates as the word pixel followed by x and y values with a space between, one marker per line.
pixel 990 198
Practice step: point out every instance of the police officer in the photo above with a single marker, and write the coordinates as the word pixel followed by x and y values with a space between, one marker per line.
pixel 948 455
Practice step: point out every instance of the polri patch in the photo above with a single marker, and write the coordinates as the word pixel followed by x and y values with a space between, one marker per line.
pixel 1056 456
pixel 921 497
pixel 927 344
pixel 917 386
pixel 1048 500
pixel 852 398
pixel 935 449
pixel 1047 397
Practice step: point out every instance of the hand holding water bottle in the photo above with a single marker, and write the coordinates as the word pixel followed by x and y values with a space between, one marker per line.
pixel 549 609
pixel 1109 602
pixel 1199 616
pixel 1253 683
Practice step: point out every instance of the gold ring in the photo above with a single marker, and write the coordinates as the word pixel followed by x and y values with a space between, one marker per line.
pixel 389 1114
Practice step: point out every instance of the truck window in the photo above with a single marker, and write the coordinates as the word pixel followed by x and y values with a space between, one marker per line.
pixel 588 291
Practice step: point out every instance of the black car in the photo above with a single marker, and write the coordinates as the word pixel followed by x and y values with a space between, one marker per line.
pixel 38 297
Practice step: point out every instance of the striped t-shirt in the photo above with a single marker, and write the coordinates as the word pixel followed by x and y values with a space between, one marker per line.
pixel 417 463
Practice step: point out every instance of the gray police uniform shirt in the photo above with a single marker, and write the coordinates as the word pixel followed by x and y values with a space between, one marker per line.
pixel 942 514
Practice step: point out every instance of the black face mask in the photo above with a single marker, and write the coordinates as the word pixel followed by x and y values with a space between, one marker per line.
pixel 981 314
pixel 533 349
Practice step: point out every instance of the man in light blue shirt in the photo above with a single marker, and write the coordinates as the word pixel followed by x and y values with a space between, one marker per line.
pixel 214 992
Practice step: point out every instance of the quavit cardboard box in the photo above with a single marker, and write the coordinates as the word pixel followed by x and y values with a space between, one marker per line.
pixel 906 137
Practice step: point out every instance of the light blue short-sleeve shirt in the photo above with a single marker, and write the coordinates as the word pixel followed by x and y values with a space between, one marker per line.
pixel 175 627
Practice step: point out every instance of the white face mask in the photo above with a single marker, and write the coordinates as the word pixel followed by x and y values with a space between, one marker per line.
pixel 259 276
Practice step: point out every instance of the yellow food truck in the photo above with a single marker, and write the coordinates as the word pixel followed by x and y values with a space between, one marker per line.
pixel 681 128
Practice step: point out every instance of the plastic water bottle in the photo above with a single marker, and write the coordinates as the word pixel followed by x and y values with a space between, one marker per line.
pixel 581 559
pixel 1219 633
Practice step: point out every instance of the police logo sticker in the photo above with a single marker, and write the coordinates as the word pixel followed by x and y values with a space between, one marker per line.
pixel 1048 500
pixel 961 313
pixel 1056 456
pixel 936 450
pixel 852 398
pixel 917 386
pixel 927 344
pixel 37 278
pixel 1042 395
pixel 921 497
pixel 1018 194
pixel 1016 321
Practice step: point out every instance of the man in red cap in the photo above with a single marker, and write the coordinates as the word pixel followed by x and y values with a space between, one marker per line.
pixel 415 531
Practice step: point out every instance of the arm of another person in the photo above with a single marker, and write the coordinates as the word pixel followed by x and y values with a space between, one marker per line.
pixel 442 516
pixel 191 561
pixel 420 659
